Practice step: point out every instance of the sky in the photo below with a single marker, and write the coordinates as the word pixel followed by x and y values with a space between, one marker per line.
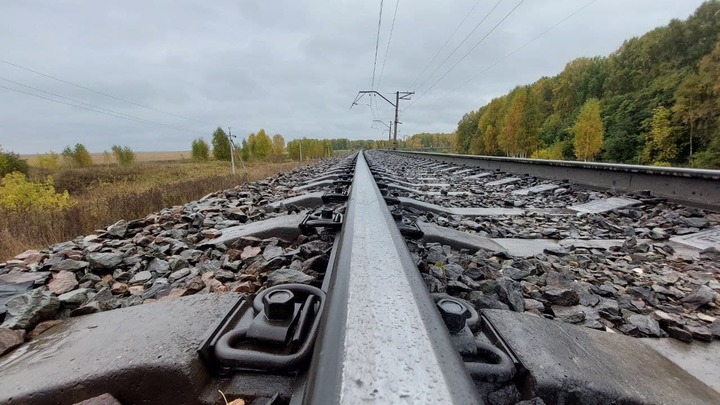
pixel 154 75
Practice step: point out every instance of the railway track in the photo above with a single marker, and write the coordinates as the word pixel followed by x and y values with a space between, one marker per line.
pixel 381 278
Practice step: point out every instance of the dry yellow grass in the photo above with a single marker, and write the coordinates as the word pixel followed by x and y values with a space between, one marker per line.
pixel 100 159
pixel 104 195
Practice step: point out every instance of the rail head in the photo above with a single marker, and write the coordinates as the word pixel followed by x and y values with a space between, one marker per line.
pixel 695 187
pixel 614 167
pixel 382 338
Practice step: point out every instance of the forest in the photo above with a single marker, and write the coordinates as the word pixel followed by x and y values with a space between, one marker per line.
pixel 654 101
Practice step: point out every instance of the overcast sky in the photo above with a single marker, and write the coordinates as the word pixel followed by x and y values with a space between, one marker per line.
pixel 291 67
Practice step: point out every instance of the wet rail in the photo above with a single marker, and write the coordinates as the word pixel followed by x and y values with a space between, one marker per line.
pixel 698 187
pixel 382 339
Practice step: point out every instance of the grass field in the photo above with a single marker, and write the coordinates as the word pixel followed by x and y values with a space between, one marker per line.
pixel 101 159
pixel 104 194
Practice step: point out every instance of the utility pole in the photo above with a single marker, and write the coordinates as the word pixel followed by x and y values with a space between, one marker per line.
pixel 232 150
pixel 389 127
pixel 399 95
pixel 301 150
pixel 232 154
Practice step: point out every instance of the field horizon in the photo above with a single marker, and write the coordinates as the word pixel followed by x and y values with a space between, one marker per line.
pixel 140 156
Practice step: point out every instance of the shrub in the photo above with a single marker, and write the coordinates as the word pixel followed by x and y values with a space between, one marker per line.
pixel 18 194
pixel 554 152
pixel 78 156
pixel 11 162
pixel 124 155
pixel 48 161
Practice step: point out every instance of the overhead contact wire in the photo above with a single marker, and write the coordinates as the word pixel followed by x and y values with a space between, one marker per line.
pixel 387 49
pixel 518 49
pixel 96 91
pixel 87 106
pixel 464 39
pixel 467 15
pixel 467 53
pixel 377 45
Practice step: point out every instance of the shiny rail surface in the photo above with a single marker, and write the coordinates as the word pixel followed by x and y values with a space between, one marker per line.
pixel 695 187
pixel 382 338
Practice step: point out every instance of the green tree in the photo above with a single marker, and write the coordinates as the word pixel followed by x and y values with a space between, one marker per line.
pixel 466 130
pixel 245 150
pixel 251 146
pixel 77 156
pixel 124 155
pixel 11 162
pixel 200 150
pixel 589 131
pixel 293 148
pixel 220 145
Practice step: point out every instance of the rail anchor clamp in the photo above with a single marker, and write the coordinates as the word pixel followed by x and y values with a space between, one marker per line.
pixel 274 334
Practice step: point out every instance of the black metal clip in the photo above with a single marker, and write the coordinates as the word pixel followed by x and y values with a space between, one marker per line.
pixel 326 218
pixel 340 194
pixel 276 334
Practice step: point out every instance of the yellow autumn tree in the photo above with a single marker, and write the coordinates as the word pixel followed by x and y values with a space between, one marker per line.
pixel 589 131
pixel 510 139
pixel 262 145
pixel 278 143
pixel 660 145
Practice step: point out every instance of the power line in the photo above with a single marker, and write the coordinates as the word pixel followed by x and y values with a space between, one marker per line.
pixel 377 45
pixel 387 49
pixel 468 52
pixel 60 102
pixel 89 107
pixel 97 92
pixel 444 45
pixel 517 49
pixel 465 39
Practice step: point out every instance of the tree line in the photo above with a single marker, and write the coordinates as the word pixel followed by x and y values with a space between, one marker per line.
pixel 257 146
pixel 655 100
pixel 260 146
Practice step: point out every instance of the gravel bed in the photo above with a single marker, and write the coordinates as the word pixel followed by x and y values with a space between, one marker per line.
pixel 159 257
pixel 642 287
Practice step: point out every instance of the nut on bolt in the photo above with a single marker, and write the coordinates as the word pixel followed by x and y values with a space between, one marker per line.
pixel 454 313
pixel 279 305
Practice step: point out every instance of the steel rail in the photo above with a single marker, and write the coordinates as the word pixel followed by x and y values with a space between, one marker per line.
pixel 382 338
pixel 695 187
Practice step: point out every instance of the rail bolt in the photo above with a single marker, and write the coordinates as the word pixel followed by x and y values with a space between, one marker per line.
pixel 326 213
pixel 453 313
pixel 279 305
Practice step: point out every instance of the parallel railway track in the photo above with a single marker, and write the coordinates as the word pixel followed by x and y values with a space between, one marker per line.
pixel 368 329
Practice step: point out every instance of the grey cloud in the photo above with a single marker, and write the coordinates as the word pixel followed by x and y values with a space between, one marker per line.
pixel 291 67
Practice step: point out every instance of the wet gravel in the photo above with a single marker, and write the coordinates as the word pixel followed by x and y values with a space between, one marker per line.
pixel 161 257
pixel 642 286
